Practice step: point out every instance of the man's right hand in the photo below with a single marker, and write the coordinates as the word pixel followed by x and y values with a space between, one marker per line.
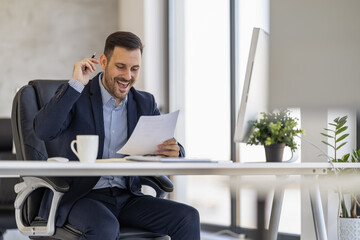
pixel 83 69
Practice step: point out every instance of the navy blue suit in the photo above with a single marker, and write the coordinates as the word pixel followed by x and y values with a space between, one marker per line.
pixel 70 113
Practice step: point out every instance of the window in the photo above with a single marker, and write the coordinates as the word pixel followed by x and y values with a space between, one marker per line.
pixel 255 13
pixel 200 86
pixel 205 103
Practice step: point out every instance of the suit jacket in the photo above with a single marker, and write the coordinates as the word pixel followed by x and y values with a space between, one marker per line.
pixel 70 113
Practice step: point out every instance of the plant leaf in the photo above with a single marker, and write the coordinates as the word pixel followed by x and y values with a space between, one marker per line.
pixel 343 119
pixel 327 135
pixel 328 144
pixel 341 145
pixel 330 130
pixel 341 130
pixel 340 123
pixel 345 158
pixel 342 137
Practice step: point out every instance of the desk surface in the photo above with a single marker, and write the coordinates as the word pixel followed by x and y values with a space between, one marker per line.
pixel 40 168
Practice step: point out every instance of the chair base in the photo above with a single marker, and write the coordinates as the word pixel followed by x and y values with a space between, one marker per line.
pixel 66 232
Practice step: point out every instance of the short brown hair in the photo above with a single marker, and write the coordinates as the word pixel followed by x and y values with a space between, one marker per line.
pixel 123 39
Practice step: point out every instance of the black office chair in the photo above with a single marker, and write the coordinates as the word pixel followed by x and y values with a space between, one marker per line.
pixel 27 102
pixel 7 194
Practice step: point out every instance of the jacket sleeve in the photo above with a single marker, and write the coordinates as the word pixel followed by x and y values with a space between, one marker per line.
pixel 56 115
pixel 182 151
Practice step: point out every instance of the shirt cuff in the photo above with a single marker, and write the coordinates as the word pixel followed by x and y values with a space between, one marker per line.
pixel 78 86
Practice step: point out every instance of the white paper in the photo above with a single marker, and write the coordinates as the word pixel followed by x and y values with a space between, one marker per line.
pixel 149 132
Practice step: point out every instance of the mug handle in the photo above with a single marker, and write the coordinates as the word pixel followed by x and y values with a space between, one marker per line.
pixel 294 156
pixel 72 145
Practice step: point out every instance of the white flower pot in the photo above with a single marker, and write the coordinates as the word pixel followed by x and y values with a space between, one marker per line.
pixel 349 228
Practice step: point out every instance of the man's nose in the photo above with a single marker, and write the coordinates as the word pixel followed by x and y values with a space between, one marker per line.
pixel 127 75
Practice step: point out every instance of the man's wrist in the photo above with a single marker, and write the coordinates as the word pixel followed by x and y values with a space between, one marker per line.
pixel 78 86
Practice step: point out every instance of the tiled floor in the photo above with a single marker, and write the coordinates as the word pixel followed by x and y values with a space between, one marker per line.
pixel 212 236
pixel 14 235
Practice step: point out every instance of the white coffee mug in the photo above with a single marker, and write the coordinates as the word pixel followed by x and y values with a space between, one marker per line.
pixel 87 147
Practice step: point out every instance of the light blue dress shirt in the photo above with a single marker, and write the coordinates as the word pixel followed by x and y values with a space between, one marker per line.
pixel 115 126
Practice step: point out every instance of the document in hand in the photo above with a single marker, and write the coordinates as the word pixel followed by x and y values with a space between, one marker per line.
pixel 149 132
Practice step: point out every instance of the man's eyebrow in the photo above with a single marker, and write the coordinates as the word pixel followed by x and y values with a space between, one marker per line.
pixel 123 64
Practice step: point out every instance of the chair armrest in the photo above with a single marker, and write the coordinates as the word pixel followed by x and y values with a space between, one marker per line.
pixel 24 189
pixel 161 184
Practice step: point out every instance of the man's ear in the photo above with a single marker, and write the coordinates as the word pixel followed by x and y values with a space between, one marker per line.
pixel 103 61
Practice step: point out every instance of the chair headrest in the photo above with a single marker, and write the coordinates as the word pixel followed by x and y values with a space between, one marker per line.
pixel 45 89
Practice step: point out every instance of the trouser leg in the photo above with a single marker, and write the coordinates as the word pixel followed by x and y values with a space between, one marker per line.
pixel 94 220
pixel 179 221
pixel 96 214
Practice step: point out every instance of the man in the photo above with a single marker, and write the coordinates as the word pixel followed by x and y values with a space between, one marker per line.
pixel 110 107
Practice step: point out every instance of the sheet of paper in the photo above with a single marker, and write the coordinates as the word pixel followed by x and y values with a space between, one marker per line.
pixel 149 132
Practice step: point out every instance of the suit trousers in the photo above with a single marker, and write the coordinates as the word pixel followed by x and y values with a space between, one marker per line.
pixel 102 213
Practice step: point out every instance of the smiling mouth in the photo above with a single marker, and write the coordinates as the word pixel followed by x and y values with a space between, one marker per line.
pixel 123 85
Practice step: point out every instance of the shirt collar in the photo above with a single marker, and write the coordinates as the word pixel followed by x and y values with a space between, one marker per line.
pixel 105 95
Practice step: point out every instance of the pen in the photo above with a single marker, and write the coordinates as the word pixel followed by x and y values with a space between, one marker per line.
pixel 91 57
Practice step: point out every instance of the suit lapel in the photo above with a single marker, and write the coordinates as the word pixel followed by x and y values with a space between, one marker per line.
pixel 131 113
pixel 97 109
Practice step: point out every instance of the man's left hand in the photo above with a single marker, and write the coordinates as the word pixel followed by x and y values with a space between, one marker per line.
pixel 169 148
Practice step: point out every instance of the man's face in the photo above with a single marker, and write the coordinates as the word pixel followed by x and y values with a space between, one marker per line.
pixel 121 72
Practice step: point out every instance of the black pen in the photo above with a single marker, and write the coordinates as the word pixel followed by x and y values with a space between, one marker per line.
pixel 91 57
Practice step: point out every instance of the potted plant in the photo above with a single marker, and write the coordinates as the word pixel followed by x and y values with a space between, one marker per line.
pixel 275 131
pixel 336 140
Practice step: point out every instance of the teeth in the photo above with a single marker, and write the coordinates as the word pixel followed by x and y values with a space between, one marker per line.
pixel 124 84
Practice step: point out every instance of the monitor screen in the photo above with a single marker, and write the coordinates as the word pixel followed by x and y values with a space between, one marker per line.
pixel 254 98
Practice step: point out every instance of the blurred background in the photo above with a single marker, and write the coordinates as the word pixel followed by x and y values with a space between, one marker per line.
pixel 194 60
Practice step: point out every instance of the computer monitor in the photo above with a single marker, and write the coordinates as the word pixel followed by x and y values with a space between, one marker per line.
pixel 254 98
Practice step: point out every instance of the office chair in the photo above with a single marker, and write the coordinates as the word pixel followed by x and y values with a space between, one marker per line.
pixel 7 194
pixel 27 102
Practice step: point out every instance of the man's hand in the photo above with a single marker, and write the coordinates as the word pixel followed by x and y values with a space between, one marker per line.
pixel 169 148
pixel 83 69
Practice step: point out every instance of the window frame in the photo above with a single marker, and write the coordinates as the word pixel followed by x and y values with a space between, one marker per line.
pixel 174 22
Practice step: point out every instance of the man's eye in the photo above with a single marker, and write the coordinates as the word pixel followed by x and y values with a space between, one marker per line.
pixel 120 67
pixel 135 69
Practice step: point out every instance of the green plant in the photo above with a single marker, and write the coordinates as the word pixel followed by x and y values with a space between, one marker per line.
pixel 276 127
pixel 336 133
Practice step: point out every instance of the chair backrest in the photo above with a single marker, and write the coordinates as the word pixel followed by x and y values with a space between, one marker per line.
pixel 27 102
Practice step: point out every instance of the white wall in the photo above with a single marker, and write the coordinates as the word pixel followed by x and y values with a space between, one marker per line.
pixel 315 53
pixel 314 64
pixel 43 39
pixel 147 19
pixel 131 18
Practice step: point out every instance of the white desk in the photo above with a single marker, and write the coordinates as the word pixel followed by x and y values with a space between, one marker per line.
pixel 38 168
